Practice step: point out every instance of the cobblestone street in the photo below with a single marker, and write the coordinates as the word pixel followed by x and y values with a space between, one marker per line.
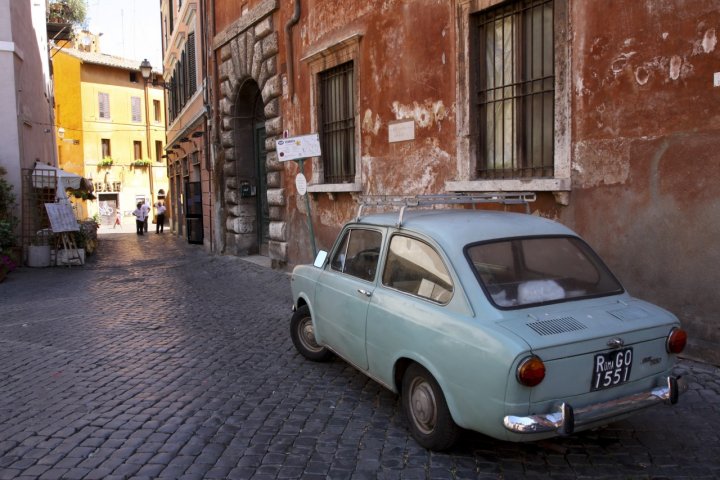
pixel 156 360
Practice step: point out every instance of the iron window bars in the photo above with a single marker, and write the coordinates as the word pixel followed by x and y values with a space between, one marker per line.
pixel 516 87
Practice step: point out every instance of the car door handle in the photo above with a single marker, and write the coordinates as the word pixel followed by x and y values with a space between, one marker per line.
pixel 364 292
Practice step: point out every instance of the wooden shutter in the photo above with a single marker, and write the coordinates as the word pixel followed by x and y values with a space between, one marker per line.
pixel 191 65
pixel 135 107
pixel 104 105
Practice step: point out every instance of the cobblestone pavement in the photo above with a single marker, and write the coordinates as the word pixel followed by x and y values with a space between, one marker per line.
pixel 156 360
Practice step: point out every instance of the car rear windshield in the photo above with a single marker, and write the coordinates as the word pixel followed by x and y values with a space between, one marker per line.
pixel 520 272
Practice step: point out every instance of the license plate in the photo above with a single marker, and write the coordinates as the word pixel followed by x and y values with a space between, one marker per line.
pixel 611 368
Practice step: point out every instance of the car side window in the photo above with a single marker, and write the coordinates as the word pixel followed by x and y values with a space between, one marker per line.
pixel 358 253
pixel 414 267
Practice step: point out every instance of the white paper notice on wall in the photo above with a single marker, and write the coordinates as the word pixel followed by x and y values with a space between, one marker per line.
pixel 401 131
pixel 716 79
pixel 295 148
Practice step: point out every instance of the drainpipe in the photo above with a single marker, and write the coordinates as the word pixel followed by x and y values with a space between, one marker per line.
pixel 289 50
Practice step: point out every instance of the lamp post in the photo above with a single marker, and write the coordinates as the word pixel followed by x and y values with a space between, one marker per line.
pixel 146 72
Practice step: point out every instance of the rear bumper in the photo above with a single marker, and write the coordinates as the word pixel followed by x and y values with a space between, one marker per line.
pixel 566 418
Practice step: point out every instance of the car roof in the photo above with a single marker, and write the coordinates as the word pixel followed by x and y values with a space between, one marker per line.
pixel 451 227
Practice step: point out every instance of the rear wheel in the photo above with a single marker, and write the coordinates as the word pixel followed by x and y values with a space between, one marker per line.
pixel 302 333
pixel 427 412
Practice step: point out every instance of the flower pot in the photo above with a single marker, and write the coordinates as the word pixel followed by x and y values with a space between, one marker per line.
pixel 38 256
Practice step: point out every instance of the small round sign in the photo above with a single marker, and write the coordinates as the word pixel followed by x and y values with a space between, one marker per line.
pixel 301 184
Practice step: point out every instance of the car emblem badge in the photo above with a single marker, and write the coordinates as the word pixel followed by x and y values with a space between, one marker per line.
pixel 616 342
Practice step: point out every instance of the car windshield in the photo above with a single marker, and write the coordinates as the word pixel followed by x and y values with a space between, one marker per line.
pixel 520 272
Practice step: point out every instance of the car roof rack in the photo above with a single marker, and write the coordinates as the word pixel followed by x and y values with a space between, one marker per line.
pixel 404 201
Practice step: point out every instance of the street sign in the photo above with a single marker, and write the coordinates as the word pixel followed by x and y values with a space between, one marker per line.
pixel 295 148
pixel 301 184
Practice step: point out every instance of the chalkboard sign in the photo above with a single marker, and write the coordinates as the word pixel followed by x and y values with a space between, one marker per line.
pixel 62 218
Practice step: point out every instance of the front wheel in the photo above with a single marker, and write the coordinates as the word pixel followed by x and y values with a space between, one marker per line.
pixel 302 333
pixel 427 412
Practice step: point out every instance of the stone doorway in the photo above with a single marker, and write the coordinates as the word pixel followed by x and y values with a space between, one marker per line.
pixel 247 219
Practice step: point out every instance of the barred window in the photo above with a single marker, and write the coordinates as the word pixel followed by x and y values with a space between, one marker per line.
pixel 337 123
pixel 516 90
pixel 135 109
pixel 104 105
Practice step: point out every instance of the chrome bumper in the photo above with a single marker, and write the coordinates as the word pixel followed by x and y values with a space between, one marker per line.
pixel 567 418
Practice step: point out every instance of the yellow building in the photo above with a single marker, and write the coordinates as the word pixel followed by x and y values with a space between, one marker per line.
pixel 111 130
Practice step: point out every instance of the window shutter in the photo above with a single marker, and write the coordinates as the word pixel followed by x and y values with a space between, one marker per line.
pixel 135 107
pixel 104 105
pixel 191 66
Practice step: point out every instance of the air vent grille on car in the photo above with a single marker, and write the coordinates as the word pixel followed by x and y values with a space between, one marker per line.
pixel 556 325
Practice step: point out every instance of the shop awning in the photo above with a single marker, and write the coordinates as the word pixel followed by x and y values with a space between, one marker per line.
pixel 47 176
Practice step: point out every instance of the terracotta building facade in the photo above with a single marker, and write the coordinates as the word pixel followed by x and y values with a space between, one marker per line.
pixel 607 111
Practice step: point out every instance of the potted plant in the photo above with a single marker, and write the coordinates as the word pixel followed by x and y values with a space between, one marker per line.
pixel 9 258
pixel 39 249
pixel 67 11
pixel 105 162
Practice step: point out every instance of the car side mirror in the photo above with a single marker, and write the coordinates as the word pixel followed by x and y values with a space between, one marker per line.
pixel 320 259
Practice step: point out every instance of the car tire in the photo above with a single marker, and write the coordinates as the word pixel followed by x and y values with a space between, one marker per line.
pixel 426 410
pixel 303 336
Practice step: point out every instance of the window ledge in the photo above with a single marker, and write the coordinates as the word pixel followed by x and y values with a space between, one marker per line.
pixel 334 187
pixel 527 185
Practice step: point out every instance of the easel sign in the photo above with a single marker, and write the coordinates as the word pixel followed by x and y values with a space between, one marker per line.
pixel 62 218
pixel 62 221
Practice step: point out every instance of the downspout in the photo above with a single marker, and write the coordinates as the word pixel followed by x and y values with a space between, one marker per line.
pixel 289 49
pixel 208 110
pixel 218 198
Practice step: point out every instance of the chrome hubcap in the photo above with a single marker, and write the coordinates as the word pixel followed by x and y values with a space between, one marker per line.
pixel 307 335
pixel 422 405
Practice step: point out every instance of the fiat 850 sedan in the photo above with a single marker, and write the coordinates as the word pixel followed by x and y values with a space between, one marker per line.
pixel 503 323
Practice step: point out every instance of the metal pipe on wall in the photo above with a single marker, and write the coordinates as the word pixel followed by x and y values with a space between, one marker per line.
pixel 289 48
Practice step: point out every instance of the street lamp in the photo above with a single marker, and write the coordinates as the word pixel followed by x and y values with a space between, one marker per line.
pixel 145 69
pixel 146 72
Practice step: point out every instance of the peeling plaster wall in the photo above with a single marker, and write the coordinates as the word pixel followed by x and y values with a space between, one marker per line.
pixel 646 146
pixel 406 70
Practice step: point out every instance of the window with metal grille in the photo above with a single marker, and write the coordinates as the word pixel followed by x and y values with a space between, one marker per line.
pixel 516 90
pixel 104 105
pixel 137 150
pixel 337 123
pixel 135 109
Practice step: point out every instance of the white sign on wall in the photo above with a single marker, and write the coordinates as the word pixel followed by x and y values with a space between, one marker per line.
pixel 401 131
pixel 295 148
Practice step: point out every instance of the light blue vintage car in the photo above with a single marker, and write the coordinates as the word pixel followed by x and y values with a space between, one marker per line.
pixel 503 323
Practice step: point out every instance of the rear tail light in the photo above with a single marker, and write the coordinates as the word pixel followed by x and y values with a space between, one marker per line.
pixel 676 340
pixel 531 371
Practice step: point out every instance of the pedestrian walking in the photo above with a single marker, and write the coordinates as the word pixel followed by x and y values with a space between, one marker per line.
pixel 159 217
pixel 146 210
pixel 117 220
pixel 140 218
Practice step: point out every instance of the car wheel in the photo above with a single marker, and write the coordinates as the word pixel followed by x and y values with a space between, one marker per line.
pixel 302 333
pixel 430 421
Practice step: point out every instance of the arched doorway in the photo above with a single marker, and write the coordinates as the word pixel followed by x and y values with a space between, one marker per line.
pixel 247 225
